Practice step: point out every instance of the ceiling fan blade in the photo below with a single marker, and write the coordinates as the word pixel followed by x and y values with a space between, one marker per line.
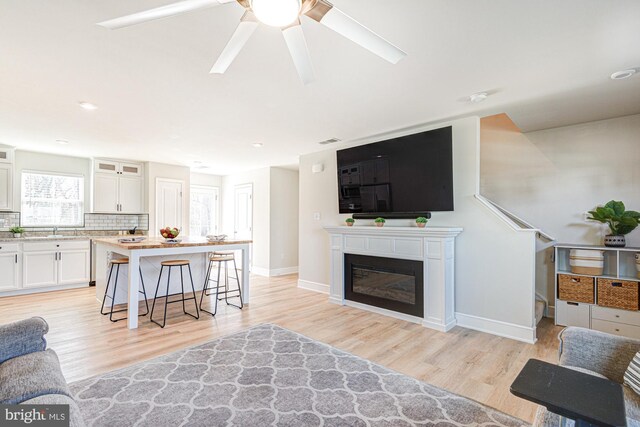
pixel 330 16
pixel 165 11
pixel 240 37
pixel 294 37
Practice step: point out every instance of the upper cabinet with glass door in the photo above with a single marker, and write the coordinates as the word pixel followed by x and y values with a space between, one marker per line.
pixel 118 187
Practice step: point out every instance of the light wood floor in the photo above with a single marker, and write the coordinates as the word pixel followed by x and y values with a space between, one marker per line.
pixel 470 363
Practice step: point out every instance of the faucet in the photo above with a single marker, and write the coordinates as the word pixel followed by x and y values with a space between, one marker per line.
pixel 55 230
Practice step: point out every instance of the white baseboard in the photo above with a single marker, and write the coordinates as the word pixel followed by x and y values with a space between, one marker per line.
pixel 497 327
pixel 25 291
pixel 274 272
pixel 283 271
pixel 551 312
pixel 313 286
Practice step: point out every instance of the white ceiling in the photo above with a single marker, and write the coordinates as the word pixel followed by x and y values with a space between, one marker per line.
pixel 546 62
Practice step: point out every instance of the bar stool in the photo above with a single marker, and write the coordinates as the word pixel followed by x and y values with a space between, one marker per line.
pixel 117 263
pixel 170 264
pixel 222 257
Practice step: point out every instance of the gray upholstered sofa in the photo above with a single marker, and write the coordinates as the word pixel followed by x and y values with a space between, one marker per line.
pixel 29 373
pixel 600 354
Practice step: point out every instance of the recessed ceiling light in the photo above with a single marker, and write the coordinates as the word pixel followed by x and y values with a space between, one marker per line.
pixel 197 162
pixel 624 74
pixel 88 106
pixel 478 97
pixel 258 144
pixel 62 141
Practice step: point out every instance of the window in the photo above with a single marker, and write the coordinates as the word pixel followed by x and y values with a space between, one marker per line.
pixel 203 211
pixel 52 200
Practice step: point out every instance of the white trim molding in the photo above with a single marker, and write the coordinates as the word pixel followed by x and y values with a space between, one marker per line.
pixel 497 327
pixel 433 246
pixel 313 286
pixel 260 271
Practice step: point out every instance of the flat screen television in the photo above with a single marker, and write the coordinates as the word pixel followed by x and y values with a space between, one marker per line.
pixel 401 177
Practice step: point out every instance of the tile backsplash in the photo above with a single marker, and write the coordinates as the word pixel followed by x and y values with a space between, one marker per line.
pixel 92 222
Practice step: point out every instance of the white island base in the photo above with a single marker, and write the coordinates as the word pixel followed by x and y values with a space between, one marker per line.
pixel 434 246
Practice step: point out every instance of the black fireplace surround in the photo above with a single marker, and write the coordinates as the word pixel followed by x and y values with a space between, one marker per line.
pixel 393 284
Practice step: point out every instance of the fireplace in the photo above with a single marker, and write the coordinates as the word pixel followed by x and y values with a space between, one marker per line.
pixel 389 283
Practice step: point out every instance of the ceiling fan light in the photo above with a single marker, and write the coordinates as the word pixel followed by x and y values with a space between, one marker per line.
pixel 276 13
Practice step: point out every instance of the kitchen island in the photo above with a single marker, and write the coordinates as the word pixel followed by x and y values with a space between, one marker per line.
pixel 147 256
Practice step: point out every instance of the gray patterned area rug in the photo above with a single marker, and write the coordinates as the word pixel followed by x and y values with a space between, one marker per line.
pixel 270 376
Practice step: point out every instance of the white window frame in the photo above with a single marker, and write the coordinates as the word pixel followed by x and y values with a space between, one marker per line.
pixel 216 207
pixel 69 175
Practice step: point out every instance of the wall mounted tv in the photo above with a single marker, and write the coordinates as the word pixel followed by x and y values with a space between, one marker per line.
pixel 402 177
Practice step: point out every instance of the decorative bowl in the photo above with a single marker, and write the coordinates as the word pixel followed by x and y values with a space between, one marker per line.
pixel 170 232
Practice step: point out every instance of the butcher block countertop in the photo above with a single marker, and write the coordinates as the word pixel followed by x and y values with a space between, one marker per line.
pixel 159 242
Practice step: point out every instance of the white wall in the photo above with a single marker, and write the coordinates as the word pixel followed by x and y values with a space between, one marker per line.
pixel 206 179
pixel 161 170
pixel 551 178
pixel 494 264
pixel 284 221
pixel 45 162
pixel 260 180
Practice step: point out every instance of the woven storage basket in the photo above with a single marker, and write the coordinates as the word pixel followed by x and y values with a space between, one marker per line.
pixel 618 293
pixel 586 261
pixel 575 288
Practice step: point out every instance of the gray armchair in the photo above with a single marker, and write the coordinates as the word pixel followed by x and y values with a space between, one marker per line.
pixel 600 354
pixel 29 373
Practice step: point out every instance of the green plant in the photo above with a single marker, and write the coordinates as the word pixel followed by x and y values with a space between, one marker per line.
pixel 421 220
pixel 350 220
pixel 379 220
pixel 615 215
pixel 16 230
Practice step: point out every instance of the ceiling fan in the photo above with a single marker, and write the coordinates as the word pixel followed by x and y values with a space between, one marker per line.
pixel 284 14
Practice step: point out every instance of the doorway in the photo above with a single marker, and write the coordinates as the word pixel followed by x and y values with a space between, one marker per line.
pixel 169 203
pixel 243 212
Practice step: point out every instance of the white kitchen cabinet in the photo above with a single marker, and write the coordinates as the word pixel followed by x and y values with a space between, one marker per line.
pixel 130 194
pixel 39 269
pixel 6 186
pixel 54 263
pixel 118 187
pixel 9 266
pixel 73 266
pixel 105 193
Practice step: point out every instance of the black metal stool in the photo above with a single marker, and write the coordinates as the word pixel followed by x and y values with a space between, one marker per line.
pixel 118 263
pixel 170 265
pixel 222 257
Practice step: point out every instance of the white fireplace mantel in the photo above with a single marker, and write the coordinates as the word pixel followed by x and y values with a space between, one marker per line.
pixel 434 246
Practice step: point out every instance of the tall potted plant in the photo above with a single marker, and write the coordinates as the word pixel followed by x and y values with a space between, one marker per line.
pixel 619 220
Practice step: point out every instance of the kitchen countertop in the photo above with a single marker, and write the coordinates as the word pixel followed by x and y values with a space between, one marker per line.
pixel 45 238
pixel 158 242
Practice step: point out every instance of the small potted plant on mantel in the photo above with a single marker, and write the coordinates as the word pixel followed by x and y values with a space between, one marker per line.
pixel 421 221
pixel 349 222
pixel 619 220
pixel 379 222
pixel 17 231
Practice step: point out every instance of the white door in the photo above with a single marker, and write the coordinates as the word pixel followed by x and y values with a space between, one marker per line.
pixel 243 212
pixel 105 193
pixel 73 267
pixel 168 203
pixel 203 210
pixel 6 186
pixel 39 269
pixel 130 194
pixel 9 269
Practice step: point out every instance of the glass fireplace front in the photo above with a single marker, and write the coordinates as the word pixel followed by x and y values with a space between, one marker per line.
pixel 393 284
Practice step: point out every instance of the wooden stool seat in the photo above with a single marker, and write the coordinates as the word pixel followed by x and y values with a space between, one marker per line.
pixel 120 261
pixel 223 253
pixel 216 257
pixel 175 262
